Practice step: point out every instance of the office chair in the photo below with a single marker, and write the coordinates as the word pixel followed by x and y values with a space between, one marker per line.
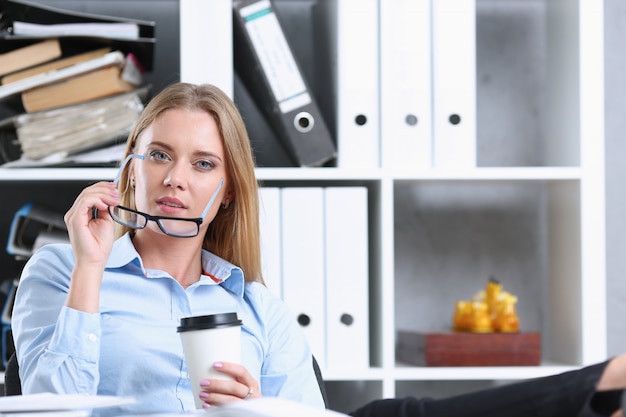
pixel 12 383
pixel 320 381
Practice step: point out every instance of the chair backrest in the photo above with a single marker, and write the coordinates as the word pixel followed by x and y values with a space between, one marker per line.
pixel 12 383
pixel 320 380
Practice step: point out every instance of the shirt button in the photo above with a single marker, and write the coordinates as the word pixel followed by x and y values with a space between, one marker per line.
pixel 92 337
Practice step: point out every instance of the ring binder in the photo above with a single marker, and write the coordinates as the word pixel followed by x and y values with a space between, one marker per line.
pixel 266 64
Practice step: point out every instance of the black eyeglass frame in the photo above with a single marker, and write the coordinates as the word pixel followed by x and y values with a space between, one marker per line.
pixel 157 219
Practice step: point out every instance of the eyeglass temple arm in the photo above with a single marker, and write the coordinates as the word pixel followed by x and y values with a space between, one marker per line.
pixel 94 210
pixel 123 165
pixel 213 197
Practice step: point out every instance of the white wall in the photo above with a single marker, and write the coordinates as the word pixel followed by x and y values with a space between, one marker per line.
pixel 615 99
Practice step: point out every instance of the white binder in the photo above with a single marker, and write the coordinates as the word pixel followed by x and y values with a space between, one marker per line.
pixel 270 225
pixel 454 83
pixel 303 262
pixel 347 278
pixel 348 48
pixel 405 84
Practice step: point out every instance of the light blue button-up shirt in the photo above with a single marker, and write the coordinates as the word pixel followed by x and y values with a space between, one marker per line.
pixel 131 348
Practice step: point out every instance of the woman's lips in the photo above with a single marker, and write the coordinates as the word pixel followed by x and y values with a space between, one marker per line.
pixel 171 206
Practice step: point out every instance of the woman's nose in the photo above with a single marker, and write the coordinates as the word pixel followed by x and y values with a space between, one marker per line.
pixel 176 176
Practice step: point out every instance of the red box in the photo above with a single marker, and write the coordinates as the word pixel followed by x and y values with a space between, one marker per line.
pixel 469 349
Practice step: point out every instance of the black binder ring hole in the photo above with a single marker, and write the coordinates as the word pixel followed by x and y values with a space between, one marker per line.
pixel 346 319
pixel 303 122
pixel 360 119
pixel 304 320
pixel 411 119
pixel 454 119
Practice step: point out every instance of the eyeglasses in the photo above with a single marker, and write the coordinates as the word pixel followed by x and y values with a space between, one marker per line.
pixel 171 226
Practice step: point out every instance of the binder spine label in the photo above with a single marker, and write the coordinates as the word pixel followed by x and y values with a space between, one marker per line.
pixel 279 64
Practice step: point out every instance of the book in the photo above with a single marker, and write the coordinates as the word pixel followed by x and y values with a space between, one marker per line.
pixel 111 58
pixel 99 83
pixel 30 55
pixel 54 65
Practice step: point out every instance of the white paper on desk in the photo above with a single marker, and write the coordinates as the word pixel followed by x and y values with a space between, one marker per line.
pixel 58 413
pixel 270 407
pixel 58 402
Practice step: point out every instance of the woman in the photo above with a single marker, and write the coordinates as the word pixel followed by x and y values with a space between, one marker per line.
pixel 100 316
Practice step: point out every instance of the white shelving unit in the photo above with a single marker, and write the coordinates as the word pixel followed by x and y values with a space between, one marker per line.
pixel 542 224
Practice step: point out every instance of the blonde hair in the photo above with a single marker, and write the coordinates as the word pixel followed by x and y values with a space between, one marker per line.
pixel 234 233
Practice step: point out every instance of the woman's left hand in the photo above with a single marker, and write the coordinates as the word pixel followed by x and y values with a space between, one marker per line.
pixel 221 391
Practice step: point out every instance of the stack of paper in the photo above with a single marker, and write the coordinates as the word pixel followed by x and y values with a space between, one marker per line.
pixel 57 405
pixel 74 128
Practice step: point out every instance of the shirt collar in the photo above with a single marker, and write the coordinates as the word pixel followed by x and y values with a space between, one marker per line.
pixel 214 268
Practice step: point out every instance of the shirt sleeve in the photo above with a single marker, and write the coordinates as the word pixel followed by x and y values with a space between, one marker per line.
pixel 57 347
pixel 287 369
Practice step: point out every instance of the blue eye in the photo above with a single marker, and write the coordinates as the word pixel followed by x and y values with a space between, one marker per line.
pixel 159 156
pixel 205 164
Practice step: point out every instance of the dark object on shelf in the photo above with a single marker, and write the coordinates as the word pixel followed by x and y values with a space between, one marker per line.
pixel 7 312
pixel 268 150
pixel 34 226
pixel 469 349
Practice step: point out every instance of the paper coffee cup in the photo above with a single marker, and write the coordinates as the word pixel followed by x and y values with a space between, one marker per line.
pixel 206 340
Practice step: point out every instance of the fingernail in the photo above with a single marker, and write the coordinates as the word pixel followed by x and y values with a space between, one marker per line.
pixel 204 382
pixel 218 365
pixel 204 395
pixel 206 405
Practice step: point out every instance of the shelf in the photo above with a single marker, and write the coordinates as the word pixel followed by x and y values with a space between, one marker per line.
pixel 532 212
pixel 322 174
pixel 467 373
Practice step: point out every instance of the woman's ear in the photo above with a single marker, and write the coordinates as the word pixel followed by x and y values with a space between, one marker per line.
pixel 228 198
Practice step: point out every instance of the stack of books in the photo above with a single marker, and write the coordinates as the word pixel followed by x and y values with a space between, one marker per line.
pixel 78 78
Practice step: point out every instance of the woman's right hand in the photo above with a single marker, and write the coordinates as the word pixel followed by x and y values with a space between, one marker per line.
pixel 92 238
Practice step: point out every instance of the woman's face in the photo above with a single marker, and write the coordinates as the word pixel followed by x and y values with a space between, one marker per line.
pixel 184 162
